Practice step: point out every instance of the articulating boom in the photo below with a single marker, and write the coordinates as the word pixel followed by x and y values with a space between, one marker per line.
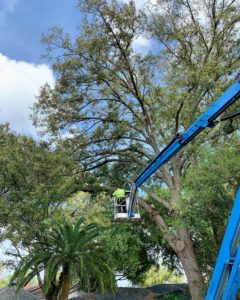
pixel 207 119
pixel 226 276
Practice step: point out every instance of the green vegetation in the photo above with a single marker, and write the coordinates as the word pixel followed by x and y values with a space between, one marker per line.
pixel 111 111
pixel 161 275
pixel 40 183
pixel 70 250
pixel 4 281
pixel 175 297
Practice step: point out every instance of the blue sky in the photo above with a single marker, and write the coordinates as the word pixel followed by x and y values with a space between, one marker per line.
pixel 22 22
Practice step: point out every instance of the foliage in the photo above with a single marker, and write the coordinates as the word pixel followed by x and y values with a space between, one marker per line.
pixel 4 281
pixel 35 180
pixel 128 250
pixel 95 209
pixel 213 180
pixel 175 297
pixel 161 275
pixel 68 249
pixel 40 183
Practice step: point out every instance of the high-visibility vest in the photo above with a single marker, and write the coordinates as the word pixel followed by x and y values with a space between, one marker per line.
pixel 119 193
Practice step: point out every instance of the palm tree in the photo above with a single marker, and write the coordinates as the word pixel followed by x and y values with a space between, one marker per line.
pixel 71 250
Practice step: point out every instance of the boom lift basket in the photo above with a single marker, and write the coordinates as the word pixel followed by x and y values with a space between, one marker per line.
pixel 121 209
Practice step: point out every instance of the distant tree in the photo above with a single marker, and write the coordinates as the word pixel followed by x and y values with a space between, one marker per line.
pixel 161 275
pixel 68 249
pixel 4 280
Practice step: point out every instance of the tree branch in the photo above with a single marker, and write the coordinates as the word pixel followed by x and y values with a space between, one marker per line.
pixel 156 197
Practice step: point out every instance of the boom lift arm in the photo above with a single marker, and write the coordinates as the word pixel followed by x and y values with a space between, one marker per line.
pixel 225 280
pixel 207 119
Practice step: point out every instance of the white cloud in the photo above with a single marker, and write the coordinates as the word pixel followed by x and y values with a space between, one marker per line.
pixel 19 84
pixel 142 45
pixel 7 7
pixel 138 3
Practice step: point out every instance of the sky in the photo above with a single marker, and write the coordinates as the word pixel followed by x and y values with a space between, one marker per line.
pixel 22 69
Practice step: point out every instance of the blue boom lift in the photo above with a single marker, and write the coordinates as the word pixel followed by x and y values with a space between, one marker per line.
pixel 226 276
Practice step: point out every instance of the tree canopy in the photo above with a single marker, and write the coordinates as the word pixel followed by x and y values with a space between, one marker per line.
pixel 119 107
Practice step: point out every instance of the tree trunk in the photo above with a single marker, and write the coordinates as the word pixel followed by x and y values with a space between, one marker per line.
pixel 51 294
pixel 182 245
pixel 65 284
pixel 185 253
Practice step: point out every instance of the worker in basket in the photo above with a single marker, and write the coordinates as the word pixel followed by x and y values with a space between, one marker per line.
pixel 119 194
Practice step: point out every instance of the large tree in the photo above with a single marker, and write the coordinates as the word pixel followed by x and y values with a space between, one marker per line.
pixel 120 107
